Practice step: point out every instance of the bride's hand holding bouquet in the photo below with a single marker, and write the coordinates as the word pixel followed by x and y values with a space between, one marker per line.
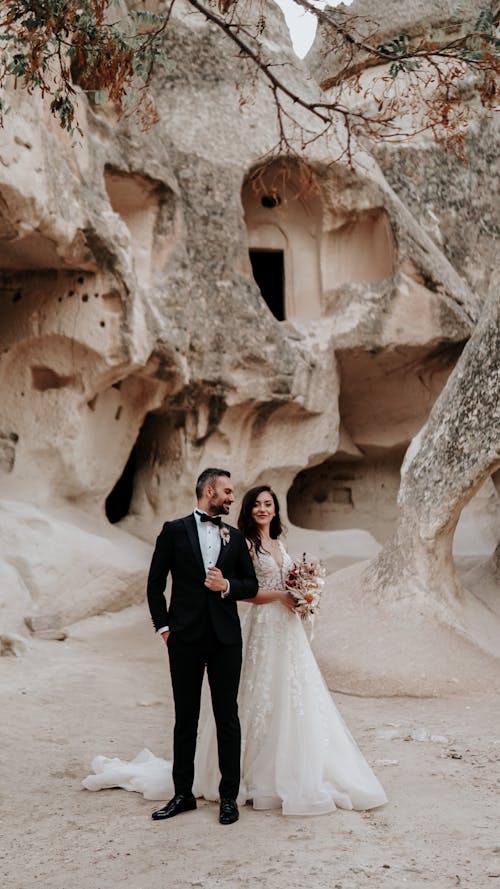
pixel 305 584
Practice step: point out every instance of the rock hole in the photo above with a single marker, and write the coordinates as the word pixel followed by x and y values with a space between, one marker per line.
pixel 118 501
pixel 46 378
pixel 268 267
pixel 269 201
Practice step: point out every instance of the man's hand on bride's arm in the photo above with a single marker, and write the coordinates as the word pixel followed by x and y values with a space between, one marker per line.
pixel 165 635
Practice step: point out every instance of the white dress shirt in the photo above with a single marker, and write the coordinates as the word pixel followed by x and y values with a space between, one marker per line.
pixel 210 544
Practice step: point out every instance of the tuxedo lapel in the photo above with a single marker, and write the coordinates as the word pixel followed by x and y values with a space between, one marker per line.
pixel 192 533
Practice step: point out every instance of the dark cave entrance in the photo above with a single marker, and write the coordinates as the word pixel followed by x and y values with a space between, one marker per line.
pixel 268 267
pixel 118 501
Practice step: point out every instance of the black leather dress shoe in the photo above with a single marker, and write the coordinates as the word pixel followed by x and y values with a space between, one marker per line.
pixel 228 811
pixel 179 803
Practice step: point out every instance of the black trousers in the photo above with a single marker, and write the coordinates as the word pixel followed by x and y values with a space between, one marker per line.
pixel 188 661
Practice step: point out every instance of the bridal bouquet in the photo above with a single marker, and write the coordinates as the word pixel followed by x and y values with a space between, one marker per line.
pixel 304 583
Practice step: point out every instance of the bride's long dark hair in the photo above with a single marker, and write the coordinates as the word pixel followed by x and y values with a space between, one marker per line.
pixel 246 522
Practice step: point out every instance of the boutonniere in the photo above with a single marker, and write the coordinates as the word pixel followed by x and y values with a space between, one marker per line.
pixel 224 534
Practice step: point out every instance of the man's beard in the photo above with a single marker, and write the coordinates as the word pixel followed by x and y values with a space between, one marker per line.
pixel 220 508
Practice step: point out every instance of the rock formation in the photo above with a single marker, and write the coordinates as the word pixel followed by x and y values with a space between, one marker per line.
pixel 137 347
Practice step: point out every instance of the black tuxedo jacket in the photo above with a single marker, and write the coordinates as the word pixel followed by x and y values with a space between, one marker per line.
pixel 192 605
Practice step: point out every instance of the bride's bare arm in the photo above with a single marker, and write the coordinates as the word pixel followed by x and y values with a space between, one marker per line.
pixel 264 597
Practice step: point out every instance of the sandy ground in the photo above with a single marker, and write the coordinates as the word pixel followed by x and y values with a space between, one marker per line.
pixel 106 690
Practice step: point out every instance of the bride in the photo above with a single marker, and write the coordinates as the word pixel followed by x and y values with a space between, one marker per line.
pixel 297 753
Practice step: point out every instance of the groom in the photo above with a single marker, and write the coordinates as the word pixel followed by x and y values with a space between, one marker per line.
pixel 211 569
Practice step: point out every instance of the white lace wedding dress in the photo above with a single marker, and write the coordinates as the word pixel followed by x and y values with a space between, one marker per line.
pixel 297 752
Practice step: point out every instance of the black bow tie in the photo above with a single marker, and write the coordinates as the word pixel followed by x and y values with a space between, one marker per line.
pixel 215 519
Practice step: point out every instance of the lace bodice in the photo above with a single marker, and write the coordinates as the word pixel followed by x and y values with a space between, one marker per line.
pixel 269 574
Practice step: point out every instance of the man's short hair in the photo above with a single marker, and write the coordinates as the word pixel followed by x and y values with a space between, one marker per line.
pixel 208 477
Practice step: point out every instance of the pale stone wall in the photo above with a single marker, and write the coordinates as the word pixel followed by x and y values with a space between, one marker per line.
pixel 133 336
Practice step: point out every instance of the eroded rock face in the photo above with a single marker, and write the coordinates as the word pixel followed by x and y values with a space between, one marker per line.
pixel 452 192
pixel 68 380
pixel 136 347
pixel 454 199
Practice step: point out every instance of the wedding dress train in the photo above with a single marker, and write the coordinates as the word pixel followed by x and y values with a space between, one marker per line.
pixel 297 753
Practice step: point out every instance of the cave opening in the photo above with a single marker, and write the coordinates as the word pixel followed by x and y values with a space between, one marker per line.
pixel 345 493
pixel 268 267
pixel 118 501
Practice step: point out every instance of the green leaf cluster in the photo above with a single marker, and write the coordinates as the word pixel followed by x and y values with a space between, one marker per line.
pixel 396 47
pixel 56 45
